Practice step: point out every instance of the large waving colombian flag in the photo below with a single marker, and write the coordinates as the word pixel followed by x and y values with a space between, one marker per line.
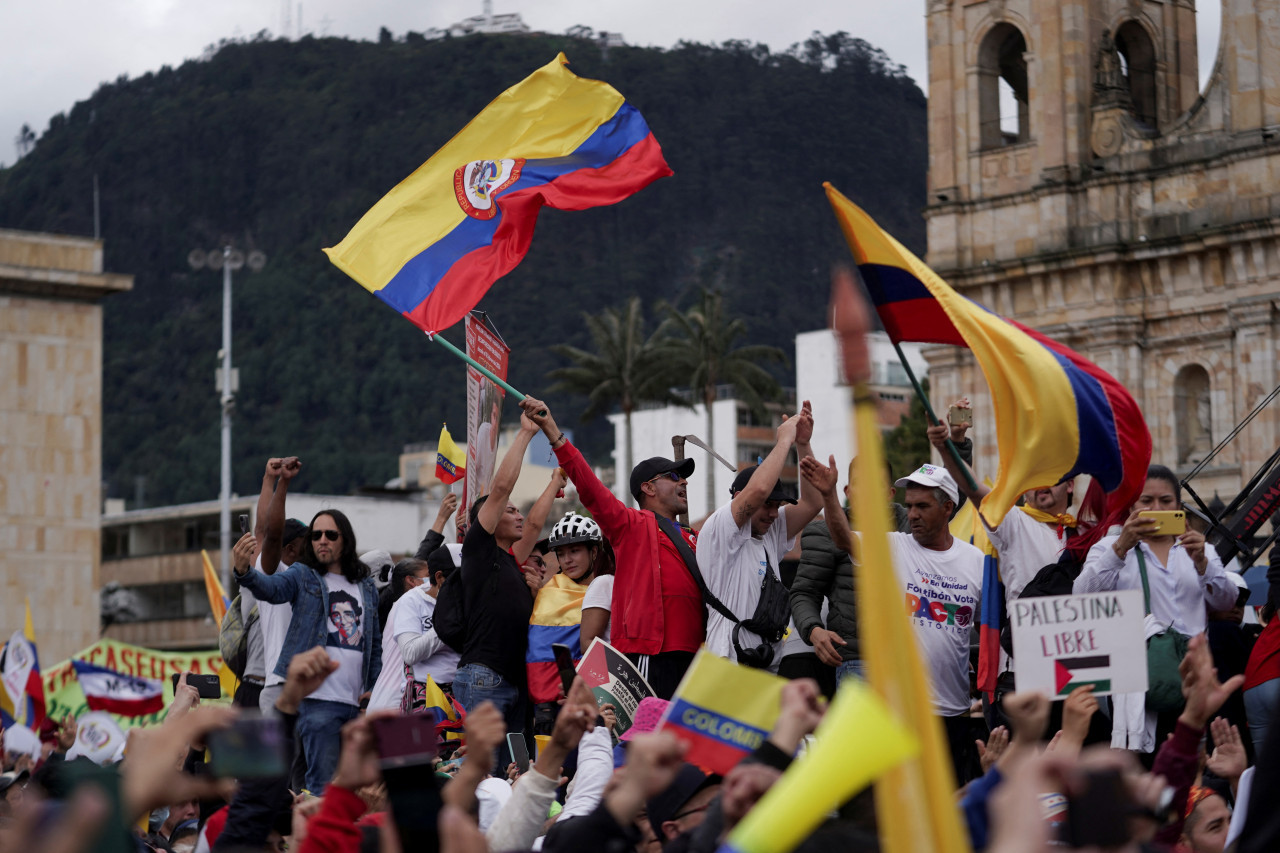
pixel 1057 414
pixel 434 245
pixel 556 618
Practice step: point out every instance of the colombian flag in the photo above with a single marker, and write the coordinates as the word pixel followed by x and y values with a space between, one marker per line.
pixel 434 245
pixel 218 601
pixel 451 461
pixel 966 527
pixel 450 717
pixel 1057 414
pixel 556 618
pixel 722 710
pixel 21 686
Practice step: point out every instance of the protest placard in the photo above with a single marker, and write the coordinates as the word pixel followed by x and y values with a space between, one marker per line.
pixel 1061 642
pixel 614 680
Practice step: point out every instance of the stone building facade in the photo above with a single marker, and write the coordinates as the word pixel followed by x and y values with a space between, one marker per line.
pixel 51 289
pixel 1081 183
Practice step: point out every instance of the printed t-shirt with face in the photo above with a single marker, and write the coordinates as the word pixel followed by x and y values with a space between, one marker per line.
pixel 733 563
pixel 600 594
pixel 942 591
pixel 411 614
pixel 274 620
pixel 344 641
pixel 682 611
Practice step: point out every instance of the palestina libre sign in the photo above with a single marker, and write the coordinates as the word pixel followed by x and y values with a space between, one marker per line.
pixel 1063 642
pixel 63 693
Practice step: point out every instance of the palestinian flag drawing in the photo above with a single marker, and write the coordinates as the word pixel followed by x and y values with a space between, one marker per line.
pixel 1070 673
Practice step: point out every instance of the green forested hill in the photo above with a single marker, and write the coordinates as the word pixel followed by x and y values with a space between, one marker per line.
pixel 282 146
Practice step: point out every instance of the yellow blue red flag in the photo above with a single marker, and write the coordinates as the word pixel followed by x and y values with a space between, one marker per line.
pixel 966 527
pixel 451 460
pixel 1057 414
pixel 556 618
pixel 722 710
pixel 21 685
pixel 434 245
pixel 218 601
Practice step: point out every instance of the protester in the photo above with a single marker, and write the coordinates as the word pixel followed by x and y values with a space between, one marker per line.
pixel 411 649
pixel 942 580
pixel 748 610
pixel 1183 577
pixel 498 603
pixel 1262 674
pixel 336 604
pixel 657 610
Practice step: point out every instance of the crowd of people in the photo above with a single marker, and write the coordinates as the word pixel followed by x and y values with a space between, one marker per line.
pixel 455 639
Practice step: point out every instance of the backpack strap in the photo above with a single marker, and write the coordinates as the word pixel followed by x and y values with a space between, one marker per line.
pixel 667 526
pixel 1142 573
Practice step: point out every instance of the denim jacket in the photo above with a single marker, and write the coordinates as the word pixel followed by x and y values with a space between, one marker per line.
pixel 304 588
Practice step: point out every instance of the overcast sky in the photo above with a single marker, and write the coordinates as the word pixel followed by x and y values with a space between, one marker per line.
pixel 54 53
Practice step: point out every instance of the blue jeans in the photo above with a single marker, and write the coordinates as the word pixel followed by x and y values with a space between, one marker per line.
pixel 850 667
pixel 476 683
pixel 1260 705
pixel 319 729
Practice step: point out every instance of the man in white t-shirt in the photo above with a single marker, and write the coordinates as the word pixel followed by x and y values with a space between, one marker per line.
pixel 942 583
pixel 411 649
pixel 741 543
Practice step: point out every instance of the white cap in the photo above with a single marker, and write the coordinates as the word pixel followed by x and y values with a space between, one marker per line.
pixel 492 794
pixel 379 561
pixel 21 740
pixel 931 476
pixel 1238 580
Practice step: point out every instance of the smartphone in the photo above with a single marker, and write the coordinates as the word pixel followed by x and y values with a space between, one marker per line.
pixel 519 751
pixel 244 523
pixel 253 748
pixel 564 664
pixel 957 416
pixel 1173 522
pixel 207 686
pixel 1098 814
pixel 407 749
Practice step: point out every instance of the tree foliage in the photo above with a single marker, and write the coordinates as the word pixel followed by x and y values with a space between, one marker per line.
pixel 282 146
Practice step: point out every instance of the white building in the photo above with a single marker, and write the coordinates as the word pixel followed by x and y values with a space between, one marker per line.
pixel 739 439
pixel 483 23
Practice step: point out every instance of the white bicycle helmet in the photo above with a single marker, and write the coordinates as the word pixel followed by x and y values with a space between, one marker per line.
pixel 574 529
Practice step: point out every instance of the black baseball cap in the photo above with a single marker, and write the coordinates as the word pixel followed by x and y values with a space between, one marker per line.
pixel 666 805
pixel 655 465
pixel 292 530
pixel 779 493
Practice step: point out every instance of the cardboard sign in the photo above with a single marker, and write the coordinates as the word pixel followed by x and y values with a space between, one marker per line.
pixel 1061 642
pixel 614 680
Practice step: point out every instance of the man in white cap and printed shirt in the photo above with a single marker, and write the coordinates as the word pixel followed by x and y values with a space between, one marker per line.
pixel 942 584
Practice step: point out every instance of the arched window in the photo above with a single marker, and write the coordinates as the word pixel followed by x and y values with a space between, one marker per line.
pixel 1138 60
pixel 1193 408
pixel 1002 88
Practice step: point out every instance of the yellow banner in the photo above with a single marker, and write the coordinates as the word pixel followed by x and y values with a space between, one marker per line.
pixel 62 693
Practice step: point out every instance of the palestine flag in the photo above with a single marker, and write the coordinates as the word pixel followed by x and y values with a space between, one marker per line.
pixel 1070 673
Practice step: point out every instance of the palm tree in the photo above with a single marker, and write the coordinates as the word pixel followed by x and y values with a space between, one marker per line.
pixel 700 345
pixel 626 368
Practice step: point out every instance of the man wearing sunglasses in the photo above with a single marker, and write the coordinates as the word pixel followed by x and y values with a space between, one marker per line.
pixel 657 616
pixel 335 605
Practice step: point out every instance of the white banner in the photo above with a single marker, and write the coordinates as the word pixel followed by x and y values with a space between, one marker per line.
pixel 484 406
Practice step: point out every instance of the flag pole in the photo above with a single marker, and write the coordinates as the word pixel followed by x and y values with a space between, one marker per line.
pixel 438 338
pixel 933 418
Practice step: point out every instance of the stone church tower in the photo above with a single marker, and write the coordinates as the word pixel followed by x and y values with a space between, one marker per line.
pixel 1080 182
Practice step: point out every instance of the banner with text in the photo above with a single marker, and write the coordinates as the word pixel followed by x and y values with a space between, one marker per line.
pixel 63 694
pixel 1062 642
pixel 484 404
pixel 614 680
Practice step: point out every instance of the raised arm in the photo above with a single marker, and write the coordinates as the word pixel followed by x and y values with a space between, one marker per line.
pixel 938 435
pixel 820 494
pixel 538 517
pixel 508 472
pixel 269 479
pixel 761 484
pixel 272 540
pixel 609 512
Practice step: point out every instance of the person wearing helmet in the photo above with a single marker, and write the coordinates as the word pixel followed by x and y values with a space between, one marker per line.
pixel 581 552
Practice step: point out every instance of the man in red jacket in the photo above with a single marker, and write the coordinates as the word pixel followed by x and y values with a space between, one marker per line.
pixel 658 619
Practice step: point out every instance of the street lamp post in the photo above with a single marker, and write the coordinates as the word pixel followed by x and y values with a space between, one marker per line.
pixel 226 383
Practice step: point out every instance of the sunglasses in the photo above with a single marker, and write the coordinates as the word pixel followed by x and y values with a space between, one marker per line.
pixel 331 535
pixel 670 475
